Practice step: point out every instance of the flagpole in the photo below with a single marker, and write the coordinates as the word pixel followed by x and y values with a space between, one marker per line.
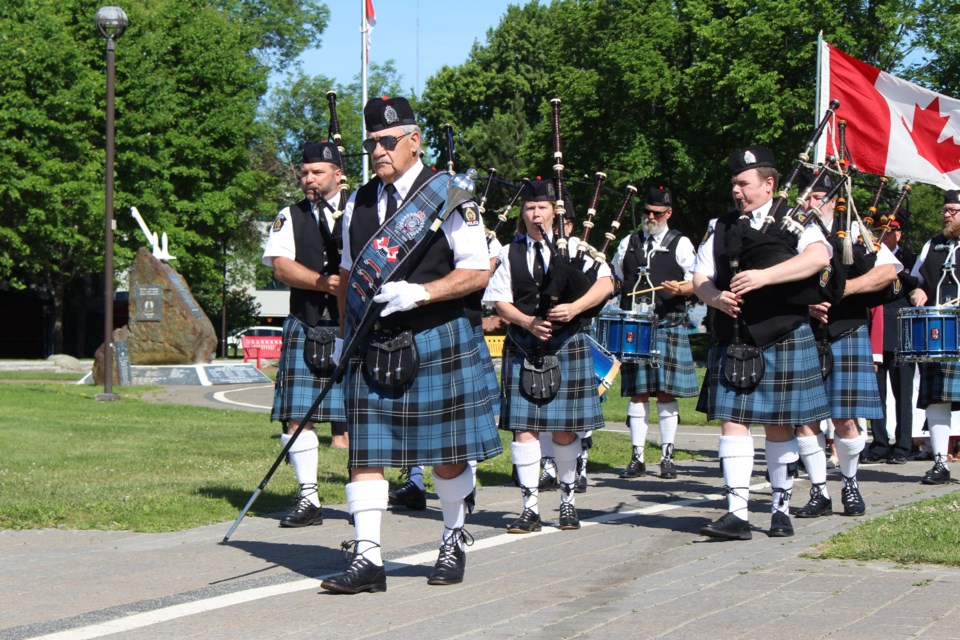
pixel 364 55
pixel 819 99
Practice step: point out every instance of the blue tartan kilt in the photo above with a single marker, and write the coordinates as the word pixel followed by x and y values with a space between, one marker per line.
pixel 851 387
pixel 790 393
pixel 489 374
pixel 576 407
pixel 676 374
pixel 939 383
pixel 297 386
pixel 442 417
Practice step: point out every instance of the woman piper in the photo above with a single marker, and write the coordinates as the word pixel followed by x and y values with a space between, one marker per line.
pixel 548 384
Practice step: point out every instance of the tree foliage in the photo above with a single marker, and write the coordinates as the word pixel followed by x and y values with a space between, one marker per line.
pixel 655 91
pixel 190 75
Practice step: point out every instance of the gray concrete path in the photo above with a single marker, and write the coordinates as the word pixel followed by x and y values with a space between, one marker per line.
pixel 637 569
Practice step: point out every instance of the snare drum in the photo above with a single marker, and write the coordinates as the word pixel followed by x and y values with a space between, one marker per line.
pixel 929 334
pixel 605 366
pixel 632 337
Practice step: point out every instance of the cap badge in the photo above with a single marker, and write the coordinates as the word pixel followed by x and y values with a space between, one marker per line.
pixel 390 115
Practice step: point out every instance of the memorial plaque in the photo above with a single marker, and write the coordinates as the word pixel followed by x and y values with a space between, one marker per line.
pixel 149 303
pixel 234 373
pixel 181 288
pixel 161 374
pixel 123 363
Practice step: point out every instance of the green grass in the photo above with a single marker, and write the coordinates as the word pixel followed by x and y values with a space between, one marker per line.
pixel 924 532
pixel 41 376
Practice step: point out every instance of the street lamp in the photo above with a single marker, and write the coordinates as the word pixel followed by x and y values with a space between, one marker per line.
pixel 111 22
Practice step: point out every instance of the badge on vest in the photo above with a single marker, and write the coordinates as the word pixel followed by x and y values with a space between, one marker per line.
pixel 471 214
pixel 278 223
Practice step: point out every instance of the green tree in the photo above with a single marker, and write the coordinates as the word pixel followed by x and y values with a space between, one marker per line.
pixel 190 74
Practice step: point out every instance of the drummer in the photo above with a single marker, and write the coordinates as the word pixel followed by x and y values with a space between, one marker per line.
pixel 656 256
pixel 558 332
pixel 939 391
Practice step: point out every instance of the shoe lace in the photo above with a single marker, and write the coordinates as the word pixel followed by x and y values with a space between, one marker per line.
pixel 816 491
pixel 785 495
pixel 457 537
pixel 302 501
pixel 851 490
pixel 567 510
pixel 567 490
pixel 667 455
pixel 939 462
pixel 351 550
pixel 727 490
pixel 527 492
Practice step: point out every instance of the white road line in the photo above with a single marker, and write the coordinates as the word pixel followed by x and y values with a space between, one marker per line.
pixel 221 396
pixel 165 614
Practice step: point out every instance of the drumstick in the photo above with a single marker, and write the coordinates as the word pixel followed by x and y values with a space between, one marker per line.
pixel 950 302
pixel 636 293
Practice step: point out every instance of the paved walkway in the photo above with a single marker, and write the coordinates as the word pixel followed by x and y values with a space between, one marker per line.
pixel 637 569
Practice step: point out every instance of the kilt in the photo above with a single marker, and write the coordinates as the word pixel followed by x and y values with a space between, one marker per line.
pixel 676 374
pixel 441 417
pixel 297 386
pixel 790 393
pixel 489 374
pixel 851 387
pixel 939 382
pixel 576 407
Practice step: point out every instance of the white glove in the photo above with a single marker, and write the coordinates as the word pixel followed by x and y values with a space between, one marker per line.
pixel 400 296
pixel 337 351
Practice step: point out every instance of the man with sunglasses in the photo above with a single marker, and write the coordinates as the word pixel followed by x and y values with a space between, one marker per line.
pixel 657 256
pixel 939 391
pixel 441 415
pixel 304 250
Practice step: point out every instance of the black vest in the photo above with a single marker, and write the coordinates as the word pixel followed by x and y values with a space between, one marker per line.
pixel 932 269
pixel 850 313
pixel 527 297
pixel 436 263
pixel 663 267
pixel 318 249
pixel 772 312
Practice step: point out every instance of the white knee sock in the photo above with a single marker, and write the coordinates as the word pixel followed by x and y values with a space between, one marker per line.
pixel 780 456
pixel 938 421
pixel 848 454
pixel 304 456
pixel 526 457
pixel 669 414
pixel 637 422
pixel 451 492
pixel 566 457
pixel 814 460
pixel 737 455
pixel 367 501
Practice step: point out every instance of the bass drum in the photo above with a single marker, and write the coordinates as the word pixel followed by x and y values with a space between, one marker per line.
pixel 605 366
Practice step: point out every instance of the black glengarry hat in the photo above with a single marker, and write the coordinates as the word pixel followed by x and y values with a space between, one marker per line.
pixel 659 197
pixel 386 113
pixel 538 191
pixel 321 152
pixel 825 184
pixel 951 197
pixel 753 157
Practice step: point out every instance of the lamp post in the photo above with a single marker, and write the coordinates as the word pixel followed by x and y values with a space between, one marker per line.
pixel 111 22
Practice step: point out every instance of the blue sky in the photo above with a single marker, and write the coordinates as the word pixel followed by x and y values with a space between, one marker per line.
pixel 419 35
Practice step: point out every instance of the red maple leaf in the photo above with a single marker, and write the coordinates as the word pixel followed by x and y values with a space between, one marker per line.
pixel 928 125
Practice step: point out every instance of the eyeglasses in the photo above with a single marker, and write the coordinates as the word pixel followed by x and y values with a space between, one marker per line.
pixel 655 214
pixel 389 143
pixel 950 212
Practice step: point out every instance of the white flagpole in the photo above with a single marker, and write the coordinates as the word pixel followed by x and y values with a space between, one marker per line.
pixel 364 55
pixel 816 111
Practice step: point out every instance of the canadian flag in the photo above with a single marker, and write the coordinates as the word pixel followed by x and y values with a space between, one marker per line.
pixel 894 127
pixel 371 21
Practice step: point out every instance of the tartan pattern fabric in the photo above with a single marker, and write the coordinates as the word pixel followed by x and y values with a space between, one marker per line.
pixel 790 393
pixel 676 374
pixel 939 382
pixel 489 374
pixel 851 387
pixel 297 386
pixel 576 407
pixel 442 417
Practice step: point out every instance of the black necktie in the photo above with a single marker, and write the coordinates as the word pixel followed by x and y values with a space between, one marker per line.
pixel 538 265
pixel 391 201
pixel 648 250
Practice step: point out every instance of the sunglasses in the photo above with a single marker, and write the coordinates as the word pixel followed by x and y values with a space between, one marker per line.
pixel 389 143
pixel 655 214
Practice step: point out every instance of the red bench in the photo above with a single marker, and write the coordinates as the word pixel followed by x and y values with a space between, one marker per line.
pixel 258 347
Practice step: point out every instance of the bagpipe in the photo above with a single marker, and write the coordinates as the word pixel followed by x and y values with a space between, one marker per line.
pixel 776 241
